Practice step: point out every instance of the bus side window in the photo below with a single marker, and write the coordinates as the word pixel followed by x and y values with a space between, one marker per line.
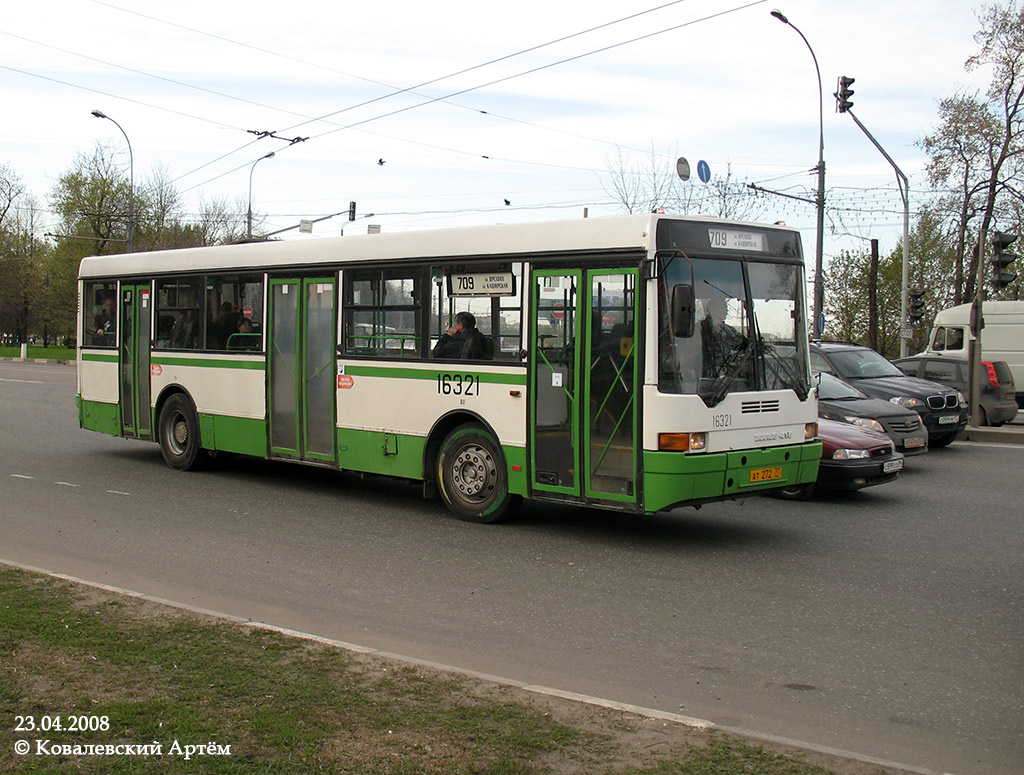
pixel 100 314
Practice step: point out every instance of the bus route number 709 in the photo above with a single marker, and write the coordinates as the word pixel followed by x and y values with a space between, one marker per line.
pixel 458 385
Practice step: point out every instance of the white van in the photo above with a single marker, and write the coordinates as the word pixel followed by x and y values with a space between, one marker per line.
pixel 1002 338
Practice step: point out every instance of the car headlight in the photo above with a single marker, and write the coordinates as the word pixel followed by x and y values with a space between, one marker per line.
pixel 963 400
pixel 866 422
pixel 908 401
pixel 850 454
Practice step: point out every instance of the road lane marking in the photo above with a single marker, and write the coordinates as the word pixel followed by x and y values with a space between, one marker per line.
pixel 25 381
pixel 118 492
pixel 66 484
pixel 22 476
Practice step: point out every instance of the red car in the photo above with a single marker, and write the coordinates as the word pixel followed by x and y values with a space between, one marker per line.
pixel 851 458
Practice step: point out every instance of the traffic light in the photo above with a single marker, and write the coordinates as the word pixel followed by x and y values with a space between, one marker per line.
pixel 1001 260
pixel 916 304
pixel 351 211
pixel 844 94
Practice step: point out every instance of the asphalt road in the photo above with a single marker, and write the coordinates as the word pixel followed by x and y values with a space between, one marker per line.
pixel 888 623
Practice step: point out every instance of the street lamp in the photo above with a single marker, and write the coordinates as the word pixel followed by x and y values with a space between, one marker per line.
pixel 131 180
pixel 819 291
pixel 248 230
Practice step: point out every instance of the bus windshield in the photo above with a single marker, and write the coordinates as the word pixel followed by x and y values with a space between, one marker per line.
pixel 749 331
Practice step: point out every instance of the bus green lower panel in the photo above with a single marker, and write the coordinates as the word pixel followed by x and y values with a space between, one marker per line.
pixel 515 463
pixel 243 435
pixel 97 416
pixel 381 453
pixel 674 478
pixel 394 454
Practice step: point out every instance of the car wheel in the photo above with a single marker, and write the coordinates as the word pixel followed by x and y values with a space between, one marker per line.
pixel 472 478
pixel 179 434
pixel 796 492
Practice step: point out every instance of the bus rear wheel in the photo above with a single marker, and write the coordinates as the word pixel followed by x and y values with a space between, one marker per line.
pixel 179 434
pixel 472 477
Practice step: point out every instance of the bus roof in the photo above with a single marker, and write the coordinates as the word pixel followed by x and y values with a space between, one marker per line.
pixel 616 233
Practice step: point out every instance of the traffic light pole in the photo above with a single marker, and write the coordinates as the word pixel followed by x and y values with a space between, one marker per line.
pixel 974 345
pixel 905 332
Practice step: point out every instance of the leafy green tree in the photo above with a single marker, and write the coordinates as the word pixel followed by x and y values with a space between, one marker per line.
pixel 977 151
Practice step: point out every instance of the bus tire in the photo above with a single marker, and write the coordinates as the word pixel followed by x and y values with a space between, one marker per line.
pixel 796 492
pixel 179 434
pixel 471 476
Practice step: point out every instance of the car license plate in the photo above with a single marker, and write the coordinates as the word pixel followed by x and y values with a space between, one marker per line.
pixel 892 465
pixel 766 474
pixel 949 419
pixel 914 442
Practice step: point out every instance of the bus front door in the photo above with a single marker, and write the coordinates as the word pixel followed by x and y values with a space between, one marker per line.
pixel 135 324
pixel 584 374
pixel 302 368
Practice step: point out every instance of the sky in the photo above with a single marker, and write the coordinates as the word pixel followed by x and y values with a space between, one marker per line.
pixel 470 104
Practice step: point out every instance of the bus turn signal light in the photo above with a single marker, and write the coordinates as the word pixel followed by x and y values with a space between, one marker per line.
pixel 682 442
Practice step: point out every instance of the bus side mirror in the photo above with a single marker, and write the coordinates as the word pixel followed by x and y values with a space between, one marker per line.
pixel 683 310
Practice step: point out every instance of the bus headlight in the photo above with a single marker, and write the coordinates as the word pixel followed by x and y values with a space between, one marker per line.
pixel 810 431
pixel 682 442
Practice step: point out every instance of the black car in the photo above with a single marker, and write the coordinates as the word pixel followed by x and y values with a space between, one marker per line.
pixel 998 393
pixel 839 400
pixel 942 409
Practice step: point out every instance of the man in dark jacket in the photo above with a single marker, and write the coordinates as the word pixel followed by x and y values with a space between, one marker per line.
pixel 462 340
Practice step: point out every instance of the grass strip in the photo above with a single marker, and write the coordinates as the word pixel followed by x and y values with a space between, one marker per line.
pixel 162 676
pixel 38 351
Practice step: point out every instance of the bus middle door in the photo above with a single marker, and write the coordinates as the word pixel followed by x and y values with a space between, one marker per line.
pixel 133 357
pixel 302 366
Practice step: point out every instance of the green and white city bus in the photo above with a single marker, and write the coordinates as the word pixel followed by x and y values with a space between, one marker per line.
pixel 634 363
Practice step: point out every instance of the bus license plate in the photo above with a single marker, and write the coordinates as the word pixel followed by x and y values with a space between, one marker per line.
pixel 892 465
pixel 766 474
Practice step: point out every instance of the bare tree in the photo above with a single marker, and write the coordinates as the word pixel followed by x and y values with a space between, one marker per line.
pixel 652 184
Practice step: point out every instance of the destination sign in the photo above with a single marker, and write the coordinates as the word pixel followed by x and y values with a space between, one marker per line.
pixel 736 240
pixel 482 284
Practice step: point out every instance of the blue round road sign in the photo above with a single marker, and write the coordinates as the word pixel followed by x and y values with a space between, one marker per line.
pixel 703 171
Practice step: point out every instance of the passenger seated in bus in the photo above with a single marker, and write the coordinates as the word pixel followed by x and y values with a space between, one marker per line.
pixel 246 338
pixel 104 322
pixel 185 332
pixel 463 340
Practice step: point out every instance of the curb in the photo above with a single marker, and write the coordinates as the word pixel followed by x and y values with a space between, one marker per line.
pixel 1003 435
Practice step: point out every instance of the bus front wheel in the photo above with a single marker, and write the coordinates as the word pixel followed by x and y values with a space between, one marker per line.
pixel 471 476
pixel 179 434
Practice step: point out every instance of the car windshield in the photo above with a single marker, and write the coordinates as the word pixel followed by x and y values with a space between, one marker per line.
pixel 862 364
pixel 748 334
pixel 834 389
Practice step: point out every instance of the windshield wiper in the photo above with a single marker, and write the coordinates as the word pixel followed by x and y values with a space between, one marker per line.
pixel 794 379
pixel 738 358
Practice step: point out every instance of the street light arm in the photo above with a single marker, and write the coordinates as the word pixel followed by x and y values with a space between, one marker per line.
pixel 819 287
pixel 131 180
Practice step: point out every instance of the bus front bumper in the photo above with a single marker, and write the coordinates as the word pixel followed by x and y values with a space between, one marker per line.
pixel 678 478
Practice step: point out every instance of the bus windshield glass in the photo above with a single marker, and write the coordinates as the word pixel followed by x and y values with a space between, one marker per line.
pixel 749 330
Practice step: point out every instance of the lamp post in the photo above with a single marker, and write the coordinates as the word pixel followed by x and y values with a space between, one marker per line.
pixel 819 290
pixel 131 180
pixel 248 230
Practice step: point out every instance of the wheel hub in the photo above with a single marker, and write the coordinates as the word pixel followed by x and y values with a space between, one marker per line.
pixel 471 472
pixel 181 431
